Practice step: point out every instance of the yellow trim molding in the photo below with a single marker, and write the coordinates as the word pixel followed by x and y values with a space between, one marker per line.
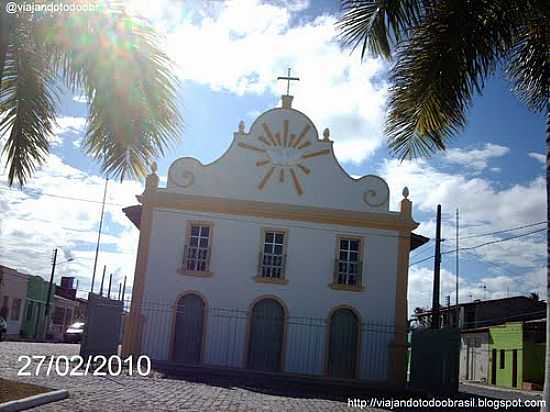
pixel 275 281
pixel 398 347
pixel 338 286
pixel 386 221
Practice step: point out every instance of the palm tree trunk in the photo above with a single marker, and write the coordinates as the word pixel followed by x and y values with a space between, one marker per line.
pixel 3 38
pixel 546 393
pixel 4 33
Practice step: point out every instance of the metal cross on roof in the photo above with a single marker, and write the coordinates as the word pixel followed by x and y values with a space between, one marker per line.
pixel 288 79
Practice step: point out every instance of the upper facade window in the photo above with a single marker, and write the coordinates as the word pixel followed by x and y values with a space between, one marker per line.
pixel 273 256
pixel 348 264
pixel 197 250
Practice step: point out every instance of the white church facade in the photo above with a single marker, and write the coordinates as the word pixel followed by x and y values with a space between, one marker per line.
pixel 273 258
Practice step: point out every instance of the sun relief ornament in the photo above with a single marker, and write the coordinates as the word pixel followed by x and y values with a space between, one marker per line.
pixel 283 154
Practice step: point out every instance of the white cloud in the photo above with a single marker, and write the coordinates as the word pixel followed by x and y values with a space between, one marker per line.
pixel 34 221
pixel 67 126
pixel 475 159
pixel 81 98
pixel 484 207
pixel 538 157
pixel 242 46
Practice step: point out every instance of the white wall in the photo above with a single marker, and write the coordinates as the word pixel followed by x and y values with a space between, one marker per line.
pixel 235 245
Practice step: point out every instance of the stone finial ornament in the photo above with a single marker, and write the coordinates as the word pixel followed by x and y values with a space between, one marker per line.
pixel 241 127
pixel 405 192
pixel 152 180
pixel 326 135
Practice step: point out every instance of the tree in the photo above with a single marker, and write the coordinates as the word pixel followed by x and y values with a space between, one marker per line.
pixel 113 59
pixel 443 51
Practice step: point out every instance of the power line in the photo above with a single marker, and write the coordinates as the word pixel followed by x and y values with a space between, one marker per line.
pixel 79 199
pixel 502 230
pixel 481 245
pixel 497 241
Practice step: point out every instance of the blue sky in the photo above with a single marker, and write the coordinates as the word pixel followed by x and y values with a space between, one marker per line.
pixel 228 55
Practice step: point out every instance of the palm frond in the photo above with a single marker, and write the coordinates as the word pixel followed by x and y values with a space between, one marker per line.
pixel 27 103
pixel 377 26
pixel 528 63
pixel 129 82
pixel 441 67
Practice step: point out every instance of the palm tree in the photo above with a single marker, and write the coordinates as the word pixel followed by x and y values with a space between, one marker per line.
pixel 113 59
pixel 443 51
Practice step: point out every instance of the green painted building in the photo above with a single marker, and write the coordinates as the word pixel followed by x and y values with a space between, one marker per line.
pixel 516 354
pixel 35 304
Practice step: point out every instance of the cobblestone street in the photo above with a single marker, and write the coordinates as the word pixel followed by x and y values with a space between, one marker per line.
pixel 157 393
pixel 154 393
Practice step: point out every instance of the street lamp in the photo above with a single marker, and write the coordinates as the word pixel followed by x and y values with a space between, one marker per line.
pixel 50 286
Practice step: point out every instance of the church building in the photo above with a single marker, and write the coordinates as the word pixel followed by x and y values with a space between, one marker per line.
pixel 272 258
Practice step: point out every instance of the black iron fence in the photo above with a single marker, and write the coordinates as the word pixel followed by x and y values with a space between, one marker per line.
pixel 264 337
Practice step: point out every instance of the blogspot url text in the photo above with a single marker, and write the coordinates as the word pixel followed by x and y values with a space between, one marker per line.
pixel 481 403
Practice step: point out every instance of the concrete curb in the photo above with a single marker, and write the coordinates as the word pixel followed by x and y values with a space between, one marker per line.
pixel 33 401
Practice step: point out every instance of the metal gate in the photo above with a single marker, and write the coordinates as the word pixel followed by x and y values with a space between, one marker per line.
pixel 435 357
pixel 266 336
pixel 102 331
pixel 343 344
pixel 189 330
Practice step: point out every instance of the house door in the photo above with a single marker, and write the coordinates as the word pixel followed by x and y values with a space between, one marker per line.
pixel 266 336
pixel 343 348
pixel 494 367
pixel 189 329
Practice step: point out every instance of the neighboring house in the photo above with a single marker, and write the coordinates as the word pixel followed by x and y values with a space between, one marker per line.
pixel 81 310
pixel 474 355
pixel 35 303
pixel 62 315
pixel 13 293
pixel 517 351
pixel 273 258
pixel 480 313
pixel 480 322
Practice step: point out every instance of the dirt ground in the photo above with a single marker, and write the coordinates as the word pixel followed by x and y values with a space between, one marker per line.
pixel 10 390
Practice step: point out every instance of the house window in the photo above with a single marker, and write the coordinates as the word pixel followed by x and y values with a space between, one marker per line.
pixel 502 359
pixel 15 308
pixel 348 262
pixel 197 251
pixel 272 257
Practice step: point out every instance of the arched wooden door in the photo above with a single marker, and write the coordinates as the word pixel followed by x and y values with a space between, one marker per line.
pixel 189 329
pixel 267 324
pixel 343 344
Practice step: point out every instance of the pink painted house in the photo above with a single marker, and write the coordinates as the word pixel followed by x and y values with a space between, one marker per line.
pixel 13 294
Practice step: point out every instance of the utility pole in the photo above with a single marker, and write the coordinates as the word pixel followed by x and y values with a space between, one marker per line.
pixel 99 234
pixel 119 290
pixel 457 273
pixel 102 280
pixel 437 271
pixel 47 308
pixel 109 290
pixel 123 291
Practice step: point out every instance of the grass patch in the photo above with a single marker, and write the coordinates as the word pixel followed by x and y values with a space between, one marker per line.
pixel 12 390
